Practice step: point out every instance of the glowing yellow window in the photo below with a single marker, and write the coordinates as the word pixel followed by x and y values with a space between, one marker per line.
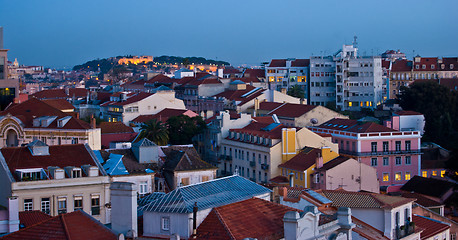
pixel 279 79
pixel 271 79
pixel 397 176
pixel 367 104
pixel 434 173
pixel 350 104
pixel 386 177
pixel 361 104
pixel 424 174
pixel 407 176
pixel 442 173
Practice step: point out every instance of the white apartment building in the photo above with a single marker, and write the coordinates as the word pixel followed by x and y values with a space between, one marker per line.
pixel 285 73
pixel 322 80
pixel 358 80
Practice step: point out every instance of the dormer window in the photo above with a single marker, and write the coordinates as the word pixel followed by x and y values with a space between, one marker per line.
pixel 451 66
pixel 432 66
pixel 417 66
pixel 423 66
pixel 31 174
pixel 76 173
pixel 442 66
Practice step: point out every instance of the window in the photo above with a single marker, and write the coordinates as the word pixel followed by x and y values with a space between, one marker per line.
pixel 95 205
pixel 76 173
pixel 205 178
pixel 397 176
pixel 386 161
pixel 408 160
pixel 373 146
pixel 185 181
pixel 78 203
pixel 386 177
pixel 165 223
pixel 424 173
pixel 442 173
pixel 143 188
pixel 398 160
pixel 259 158
pixel 28 204
pixel 407 176
pixel 61 205
pixel 75 140
pixel 45 205
pixel 407 145
pixel 374 162
pixel 398 145
pixel 385 146
pixel 434 173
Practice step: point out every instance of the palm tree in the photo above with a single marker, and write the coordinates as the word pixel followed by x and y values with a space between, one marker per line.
pixel 155 131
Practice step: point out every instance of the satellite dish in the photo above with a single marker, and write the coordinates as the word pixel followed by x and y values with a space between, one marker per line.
pixel 313 121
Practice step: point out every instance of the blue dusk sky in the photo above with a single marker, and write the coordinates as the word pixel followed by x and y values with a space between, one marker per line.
pixel 61 33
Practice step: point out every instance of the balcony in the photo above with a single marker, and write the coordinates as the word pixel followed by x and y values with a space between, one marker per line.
pixel 264 166
pixel 381 153
pixel 252 164
pixel 225 157
pixel 405 230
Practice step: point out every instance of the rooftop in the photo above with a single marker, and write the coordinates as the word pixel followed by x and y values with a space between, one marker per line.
pixel 350 125
pixel 428 186
pixel 430 226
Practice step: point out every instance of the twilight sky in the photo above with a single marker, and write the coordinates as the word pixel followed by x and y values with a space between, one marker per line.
pixel 57 33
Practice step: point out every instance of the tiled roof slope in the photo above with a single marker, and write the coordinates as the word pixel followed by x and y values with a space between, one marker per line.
pixel 303 160
pixel 334 162
pixel 75 226
pixel 60 104
pixel 59 155
pixel 428 186
pixel 253 218
pixel 209 194
pixel 162 116
pixel 422 200
pixel 342 198
pixel 262 129
pixel 115 127
pixel 291 110
pixel 350 125
pixel 29 218
pixel 430 227
pixel 181 161
pixel 258 73
pixel 50 94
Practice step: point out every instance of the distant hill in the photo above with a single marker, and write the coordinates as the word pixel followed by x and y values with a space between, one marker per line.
pixel 106 64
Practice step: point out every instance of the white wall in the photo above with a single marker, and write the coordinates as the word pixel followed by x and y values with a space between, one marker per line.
pixel 415 122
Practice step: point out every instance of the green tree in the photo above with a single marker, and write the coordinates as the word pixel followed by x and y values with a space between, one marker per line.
pixel 437 103
pixel 155 131
pixel 183 128
pixel 296 91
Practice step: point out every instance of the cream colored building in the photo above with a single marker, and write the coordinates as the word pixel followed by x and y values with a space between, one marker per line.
pixel 34 119
pixel 55 179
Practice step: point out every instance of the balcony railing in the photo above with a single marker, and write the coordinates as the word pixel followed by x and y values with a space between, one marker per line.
pixel 264 166
pixel 252 164
pixel 225 157
pixel 404 230
pixel 381 153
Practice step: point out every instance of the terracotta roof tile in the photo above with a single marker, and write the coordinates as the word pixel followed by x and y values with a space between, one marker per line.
pixel 402 65
pixel 160 79
pixel 164 115
pixel 258 73
pixel 75 225
pixel 261 219
pixel 137 97
pixel 115 127
pixel 184 159
pixel 448 64
pixel 303 160
pixel 30 218
pixel 260 129
pixel 291 110
pixel 300 63
pixel 430 227
pixel 350 125
pixel 332 163
pixel 278 63
pixel 60 104
pixel 50 94
pixel 428 62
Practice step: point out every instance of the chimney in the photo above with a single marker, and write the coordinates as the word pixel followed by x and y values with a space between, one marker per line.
pixel 319 161
pixel 344 218
pixel 194 221
pixel 282 191
pixel 124 209
pixel 93 122
pixel 13 214
pixel 256 107
pixel 1 37
pixel 291 179
pixel 77 115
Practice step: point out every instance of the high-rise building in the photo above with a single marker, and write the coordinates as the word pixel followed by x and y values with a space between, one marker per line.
pixel 322 80
pixel 9 88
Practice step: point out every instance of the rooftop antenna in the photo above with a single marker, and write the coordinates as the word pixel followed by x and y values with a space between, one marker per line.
pixel 355 41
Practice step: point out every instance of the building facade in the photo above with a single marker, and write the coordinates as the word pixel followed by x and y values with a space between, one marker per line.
pixel 285 73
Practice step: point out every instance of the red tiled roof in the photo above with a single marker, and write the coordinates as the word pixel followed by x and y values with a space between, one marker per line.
pixel 247 79
pixel 402 65
pixel 350 125
pixel 50 94
pixel 207 80
pixel 75 225
pixel 303 160
pixel 254 218
pixel 264 119
pixel 386 64
pixel 431 227
pixel 421 199
pixel 77 92
pixel 117 137
pixel 33 108
pixel 269 106
pixel 30 218
pixel 427 62
pixel 342 198
pixel 231 70
pixel 291 110
pixel 256 129
pixel 332 163
pixel 451 83
pixel 60 104
pixel 115 127
pixel 236 95
pixel 449 64
pixel 164 115
pixel 160 79
pixel 103 96
pixel 137 97
pixel 278 63
pixel 279 179
pixel 258 73
pixel 300 63
pixel 59 155
pixel 407 113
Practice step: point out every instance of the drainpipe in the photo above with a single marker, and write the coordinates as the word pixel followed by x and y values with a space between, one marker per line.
pixel 194 221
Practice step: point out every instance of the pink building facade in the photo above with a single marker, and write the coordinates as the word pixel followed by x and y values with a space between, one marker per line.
pixel 394 154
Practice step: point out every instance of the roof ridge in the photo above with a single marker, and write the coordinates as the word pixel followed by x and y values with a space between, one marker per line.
pixel 67 233
pixel 226 227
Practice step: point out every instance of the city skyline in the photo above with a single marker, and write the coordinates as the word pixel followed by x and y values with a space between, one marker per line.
pixel 63 34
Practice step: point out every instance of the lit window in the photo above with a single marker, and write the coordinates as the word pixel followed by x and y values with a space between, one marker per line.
pixel 397 176
pixel 434 173
pixel 442 173
pixel 349 104
pixel 28 204
pixel 424 174
pixel 165 223
pixel 386 177
pixel 407 175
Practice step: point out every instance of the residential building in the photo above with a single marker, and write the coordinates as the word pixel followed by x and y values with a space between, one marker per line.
pixel 401 74
pixel 69 94
pixel 436 189
pixel 34 119
pixel 406 121
pixel 9 88
pixel 256 150
pixel 285 73
pixel 173 213
pixel 448 67
pixel 393 55
pixel 163 116
pixel 74 225
pixel 359 80
pixel 127 107
pixel 425 68
pixel 183 166
pixel 433 229
pixel 322 81
pixel 55 179
pixel 434 160
pixel 423 211
pixel 395 154
pixel 116 135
